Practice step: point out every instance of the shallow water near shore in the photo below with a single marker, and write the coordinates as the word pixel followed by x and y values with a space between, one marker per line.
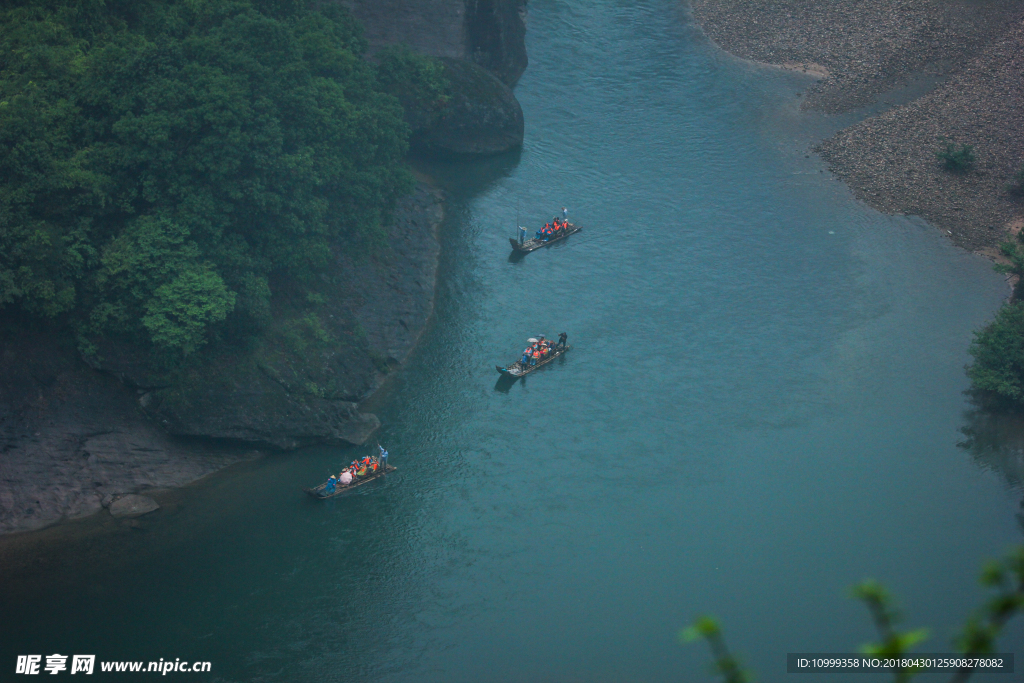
pixel 763 405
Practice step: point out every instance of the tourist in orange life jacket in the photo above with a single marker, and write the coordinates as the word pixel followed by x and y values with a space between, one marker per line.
pixel 535 357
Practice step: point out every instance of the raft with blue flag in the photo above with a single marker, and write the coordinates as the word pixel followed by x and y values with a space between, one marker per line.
pixel 333 486
pixel 321 490
pixel 526 246
pixel 521 369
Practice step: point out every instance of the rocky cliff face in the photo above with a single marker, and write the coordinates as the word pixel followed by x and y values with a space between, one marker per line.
pixel 490 33
pixel 496 37
pixel 289 397
pixel 482 116
pixel 483 46
pixel 74 438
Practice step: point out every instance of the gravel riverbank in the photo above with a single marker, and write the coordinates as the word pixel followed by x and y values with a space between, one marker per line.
pixel 970 50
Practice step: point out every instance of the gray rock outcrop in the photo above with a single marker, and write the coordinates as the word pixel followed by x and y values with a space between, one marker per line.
pixel 72 439
pixel 133 505
pixel 262 411
pixel 490 33
pixel 377 309
pixel 482 116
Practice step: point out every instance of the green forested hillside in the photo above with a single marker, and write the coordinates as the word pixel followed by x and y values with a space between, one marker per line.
pixel 161 163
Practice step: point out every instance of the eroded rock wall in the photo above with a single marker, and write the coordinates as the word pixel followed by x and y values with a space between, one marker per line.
pixel 491 33
pixel 289 394
pixel 483 116
pixel 72 439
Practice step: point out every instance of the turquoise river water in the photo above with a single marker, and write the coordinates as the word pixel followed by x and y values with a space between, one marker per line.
pixel 764 405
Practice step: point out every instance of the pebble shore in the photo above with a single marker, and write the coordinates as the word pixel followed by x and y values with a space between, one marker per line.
pixel 967 56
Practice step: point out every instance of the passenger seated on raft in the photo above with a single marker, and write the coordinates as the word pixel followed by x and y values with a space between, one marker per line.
pixel 346 477
pixel 363 467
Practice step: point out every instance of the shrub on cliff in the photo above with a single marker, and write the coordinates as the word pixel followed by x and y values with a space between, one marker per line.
pixel 958 159
pixel 1013 250
pixel 418 81
pixel 998 351
pixel 161 162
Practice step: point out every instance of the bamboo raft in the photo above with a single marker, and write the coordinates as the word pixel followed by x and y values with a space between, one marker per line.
pixel 520 369
pixel 318 491
pixel 534 244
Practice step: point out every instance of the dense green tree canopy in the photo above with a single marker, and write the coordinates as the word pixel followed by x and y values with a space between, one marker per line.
pixel 160 161
pixel 998 351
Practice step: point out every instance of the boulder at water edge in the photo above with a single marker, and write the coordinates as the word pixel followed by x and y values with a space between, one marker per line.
pixel 132 506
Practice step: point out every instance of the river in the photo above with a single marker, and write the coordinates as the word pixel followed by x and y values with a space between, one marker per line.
pixel 763 406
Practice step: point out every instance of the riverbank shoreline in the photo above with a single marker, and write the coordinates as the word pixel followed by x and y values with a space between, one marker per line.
pixel 971 50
